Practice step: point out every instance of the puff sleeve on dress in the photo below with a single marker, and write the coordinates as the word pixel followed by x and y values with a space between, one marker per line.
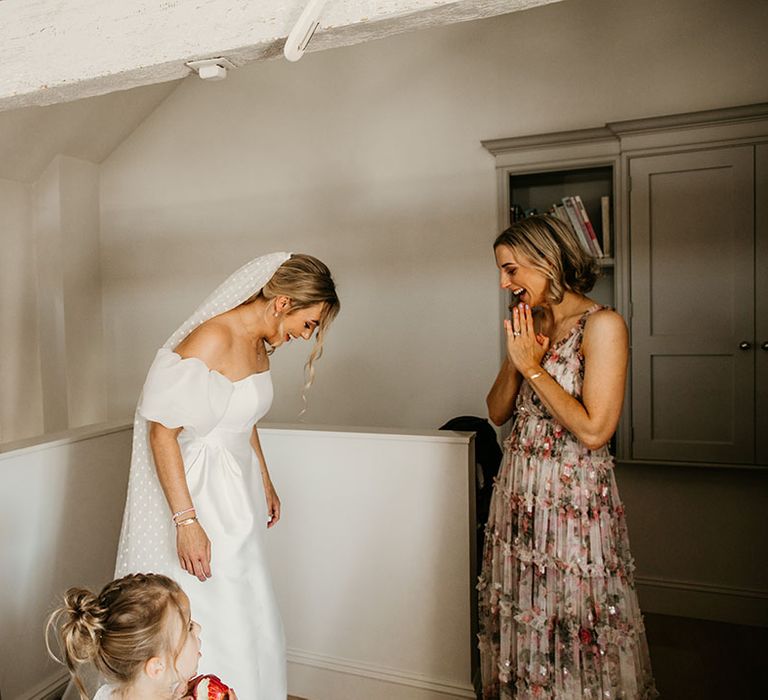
pixel 184 393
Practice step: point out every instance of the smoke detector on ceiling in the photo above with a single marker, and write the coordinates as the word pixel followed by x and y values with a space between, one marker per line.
pixel 212 68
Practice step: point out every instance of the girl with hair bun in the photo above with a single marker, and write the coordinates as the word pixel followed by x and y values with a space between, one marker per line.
pixel 558 610
pixel 137 632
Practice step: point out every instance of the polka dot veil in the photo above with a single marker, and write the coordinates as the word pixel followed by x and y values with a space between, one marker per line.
pixel 145 544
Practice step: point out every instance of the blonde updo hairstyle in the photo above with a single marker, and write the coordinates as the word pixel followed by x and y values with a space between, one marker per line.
pixel 553 250
pixel 119 630
pixel 306 281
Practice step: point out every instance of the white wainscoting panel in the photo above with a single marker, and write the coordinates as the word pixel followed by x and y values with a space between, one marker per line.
pixel 61 504
pixel 371 562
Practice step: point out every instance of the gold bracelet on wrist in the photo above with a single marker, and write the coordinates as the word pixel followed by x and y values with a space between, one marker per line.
pixel 188 521
pixel 536 375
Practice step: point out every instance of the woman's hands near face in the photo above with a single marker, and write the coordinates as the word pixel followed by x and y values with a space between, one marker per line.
pixel 525 347
pixel 273 503
pixel 194 550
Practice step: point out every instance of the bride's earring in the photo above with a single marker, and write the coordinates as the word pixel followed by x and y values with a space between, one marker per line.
pixel 285 306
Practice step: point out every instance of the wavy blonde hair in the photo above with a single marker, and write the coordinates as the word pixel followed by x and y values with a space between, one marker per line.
pixel 553 249
pixel 119 629
pixel 306 281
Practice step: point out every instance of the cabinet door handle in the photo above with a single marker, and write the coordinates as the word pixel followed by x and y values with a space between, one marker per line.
pixel 764 346
pixel 745 345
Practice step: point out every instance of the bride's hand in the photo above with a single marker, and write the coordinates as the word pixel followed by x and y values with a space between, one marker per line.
pixel 273 503
pixel 194 550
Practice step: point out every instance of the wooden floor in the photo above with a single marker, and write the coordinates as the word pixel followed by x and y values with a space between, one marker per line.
pixel 702 660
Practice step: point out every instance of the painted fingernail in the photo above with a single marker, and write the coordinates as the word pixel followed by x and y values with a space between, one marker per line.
pixel 527 307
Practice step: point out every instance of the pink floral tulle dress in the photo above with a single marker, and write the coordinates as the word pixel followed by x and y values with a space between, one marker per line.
pixel 558 610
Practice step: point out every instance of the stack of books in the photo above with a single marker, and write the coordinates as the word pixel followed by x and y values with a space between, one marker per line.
pixel 573 214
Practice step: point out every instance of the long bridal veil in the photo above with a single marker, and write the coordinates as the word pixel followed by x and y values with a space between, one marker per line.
pixel 146 512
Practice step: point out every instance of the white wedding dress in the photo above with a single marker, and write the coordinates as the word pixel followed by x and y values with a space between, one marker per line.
pixel 242 633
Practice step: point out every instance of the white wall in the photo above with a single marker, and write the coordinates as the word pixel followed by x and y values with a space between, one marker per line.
pixel 52 369
pixel 81 261
pixel 371 562
pixel 66 228
pixel 49 246
pixel 369 157
pixel 21 409
pixel 61 505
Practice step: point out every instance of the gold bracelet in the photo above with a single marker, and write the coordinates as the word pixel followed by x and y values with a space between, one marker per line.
pixel 188 521
pixel 535 375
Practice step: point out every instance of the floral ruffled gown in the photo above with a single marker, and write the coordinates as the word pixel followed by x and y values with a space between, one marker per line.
pixel 558 610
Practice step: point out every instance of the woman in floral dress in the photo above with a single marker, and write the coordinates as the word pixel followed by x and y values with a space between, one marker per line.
pixel 558 610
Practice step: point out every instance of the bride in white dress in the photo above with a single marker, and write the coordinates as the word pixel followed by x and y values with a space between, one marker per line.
pixel 199 496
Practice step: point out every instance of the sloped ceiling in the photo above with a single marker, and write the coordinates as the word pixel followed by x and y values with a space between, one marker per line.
pixel 89 129
pixel 54 52
pixel 78 77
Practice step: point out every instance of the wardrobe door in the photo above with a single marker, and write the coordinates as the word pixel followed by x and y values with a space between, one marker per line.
pixel 761 300
pixel 692 295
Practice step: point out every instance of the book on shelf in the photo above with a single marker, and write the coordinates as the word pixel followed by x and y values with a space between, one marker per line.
pixel 559 211
pixel 587 226
pixel 572 212
pixel 605 210
pixel 575 221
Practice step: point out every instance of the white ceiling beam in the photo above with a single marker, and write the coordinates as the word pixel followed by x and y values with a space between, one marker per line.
pixel 53 51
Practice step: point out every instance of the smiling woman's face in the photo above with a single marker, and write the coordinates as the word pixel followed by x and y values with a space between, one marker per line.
pixel 297 324
pixel 518 276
